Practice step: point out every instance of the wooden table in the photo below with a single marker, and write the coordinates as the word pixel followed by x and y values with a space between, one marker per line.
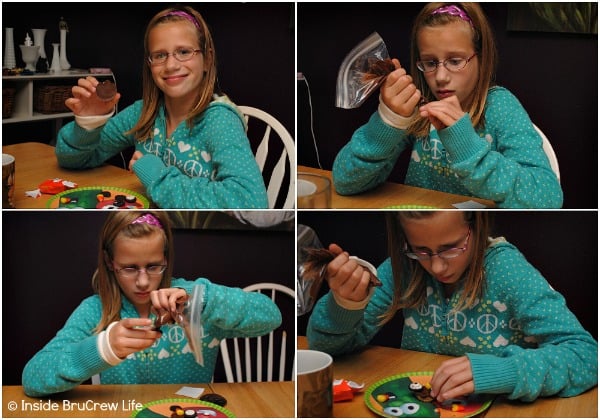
pixel 376 362
pixel 392 194
pixel 36 162
pixel 256 399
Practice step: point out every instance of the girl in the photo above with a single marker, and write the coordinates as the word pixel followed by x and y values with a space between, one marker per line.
pixel 470 137
pixel 191 147
pixel 111 332
pixel 443 268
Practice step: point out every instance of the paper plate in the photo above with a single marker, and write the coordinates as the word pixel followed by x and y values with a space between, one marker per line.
pixel 168 408
pixel 410 207
pixel 98 198
pixel 392 397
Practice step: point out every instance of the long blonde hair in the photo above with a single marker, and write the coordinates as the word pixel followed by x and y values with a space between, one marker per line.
pixel 104 282
pixel 152 96
pixel 411 292
pixel 484 45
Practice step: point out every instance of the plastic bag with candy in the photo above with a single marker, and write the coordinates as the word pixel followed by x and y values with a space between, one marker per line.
pixel 307 286
pixel 363 70
pixel 188 315
pixel 312 265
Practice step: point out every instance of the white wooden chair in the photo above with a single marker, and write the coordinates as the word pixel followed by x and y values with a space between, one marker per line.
pixel 288 155
pixel 549 152
pixel 254 358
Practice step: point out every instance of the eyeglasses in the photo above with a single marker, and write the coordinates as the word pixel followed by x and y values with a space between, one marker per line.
pixel 151 270
pixel 445 254
pixel 452 64
pixel 180 54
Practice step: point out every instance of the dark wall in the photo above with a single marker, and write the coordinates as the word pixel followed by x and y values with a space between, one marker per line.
pixel 49 258
pixel 254 47
pixel 554 75
pixel 562 245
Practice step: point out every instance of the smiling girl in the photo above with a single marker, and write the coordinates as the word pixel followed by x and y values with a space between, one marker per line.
pixel 111 333
pixel 468 136
pixel 191 148
pixel 465 294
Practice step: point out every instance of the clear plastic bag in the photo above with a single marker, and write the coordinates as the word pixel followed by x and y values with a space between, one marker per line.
pixel 306 288
pixel 188 315
pixel 312 263
pixel 362 71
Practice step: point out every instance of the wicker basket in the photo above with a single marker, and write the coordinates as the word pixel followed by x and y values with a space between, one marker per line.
pixel 51 99
pixel 8 102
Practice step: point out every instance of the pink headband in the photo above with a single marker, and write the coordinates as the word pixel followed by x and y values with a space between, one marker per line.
pixel 185 15
pixel 454 11
pixel 148 219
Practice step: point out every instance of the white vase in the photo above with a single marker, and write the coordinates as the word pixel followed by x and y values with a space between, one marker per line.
pixel 30 55
pixel 10 61
pixel 38 39
pixel 55 67
pixel 64 63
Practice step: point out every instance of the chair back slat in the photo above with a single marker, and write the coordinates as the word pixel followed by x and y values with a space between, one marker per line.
pixel 263 149
pixel 275 181
pixel 255 363
pixel 226 362
pixel 282 355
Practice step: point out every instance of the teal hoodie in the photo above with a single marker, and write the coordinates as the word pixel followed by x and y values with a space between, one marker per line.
pixel 210 166
pixel 504 162
pixel 72 356
pixel 520 337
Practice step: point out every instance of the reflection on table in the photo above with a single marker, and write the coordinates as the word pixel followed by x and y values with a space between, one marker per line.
pixel 253 399
pixel 377 362
pixel 36 162
pixel 391 194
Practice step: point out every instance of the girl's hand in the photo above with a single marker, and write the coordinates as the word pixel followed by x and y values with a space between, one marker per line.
pixel 442 113
pixel 346 277
pixel 399 92
pixel 136 155
pixel 453 379
pixel 167 299
pixel 85 102
pixel 131 335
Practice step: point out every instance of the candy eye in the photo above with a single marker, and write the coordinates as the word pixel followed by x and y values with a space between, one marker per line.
pixel 393 411
pixel 410 408
pixel 404 409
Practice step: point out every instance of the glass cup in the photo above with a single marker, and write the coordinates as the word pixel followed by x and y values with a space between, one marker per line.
pixel 314 191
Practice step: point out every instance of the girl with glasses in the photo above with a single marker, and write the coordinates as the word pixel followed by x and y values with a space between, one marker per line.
pixel 465 294
pixel 467 135
pixel 114 333
pixel 191 148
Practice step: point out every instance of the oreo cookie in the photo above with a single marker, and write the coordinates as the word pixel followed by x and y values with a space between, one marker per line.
pixel 214 398
pixel 106 90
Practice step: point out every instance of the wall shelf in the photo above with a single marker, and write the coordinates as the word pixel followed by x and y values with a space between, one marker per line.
pixel 23 109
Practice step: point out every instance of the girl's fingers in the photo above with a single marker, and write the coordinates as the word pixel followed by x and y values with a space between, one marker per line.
pixel 454 378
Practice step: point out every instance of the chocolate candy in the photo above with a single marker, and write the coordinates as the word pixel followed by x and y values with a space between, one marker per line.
pixel 214 398
pixel 106 90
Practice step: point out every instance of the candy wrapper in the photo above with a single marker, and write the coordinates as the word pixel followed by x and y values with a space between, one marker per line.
pixel 55 186
pixel 363 70
pixel 344 390
pixel 188 315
